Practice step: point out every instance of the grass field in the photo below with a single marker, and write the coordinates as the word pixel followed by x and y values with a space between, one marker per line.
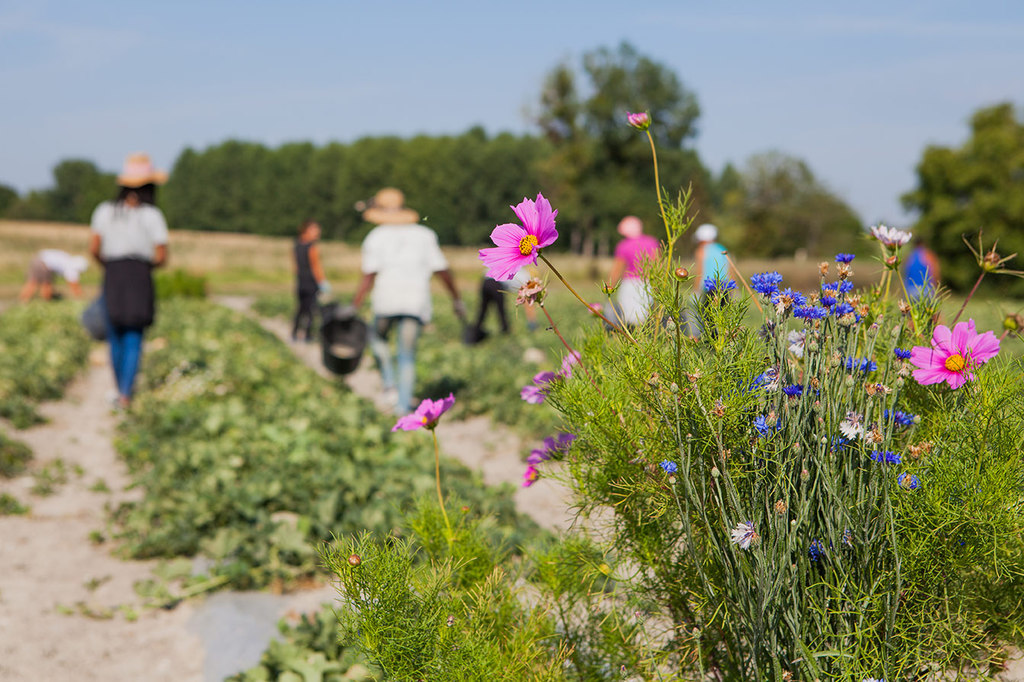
pixel 250 264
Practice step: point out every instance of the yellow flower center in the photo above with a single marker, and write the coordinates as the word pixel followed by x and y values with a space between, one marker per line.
pixel 955 363
pixel 527 244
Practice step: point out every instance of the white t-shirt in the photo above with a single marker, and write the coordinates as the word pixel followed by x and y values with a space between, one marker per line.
pixel 127 232
pixel 403 257
pixel 63 263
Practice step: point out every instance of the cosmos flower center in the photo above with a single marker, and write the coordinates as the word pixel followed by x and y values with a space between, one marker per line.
pixel 527 244
pixel 955 363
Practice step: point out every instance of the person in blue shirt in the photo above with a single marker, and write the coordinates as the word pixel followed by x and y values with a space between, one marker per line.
pixel 921 272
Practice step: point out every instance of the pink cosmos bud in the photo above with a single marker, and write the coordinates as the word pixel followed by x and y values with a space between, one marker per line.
pixel 640 121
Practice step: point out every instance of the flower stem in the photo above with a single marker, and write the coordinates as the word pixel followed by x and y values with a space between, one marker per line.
pixel 743 279
pixel 657 189
pixel 580 299
pixel 440 498
pixel 974 289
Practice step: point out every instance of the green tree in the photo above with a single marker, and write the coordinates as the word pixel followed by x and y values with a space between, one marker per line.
pixel 8 198
pixel 782 208
pixel 600 168
pixel 978 186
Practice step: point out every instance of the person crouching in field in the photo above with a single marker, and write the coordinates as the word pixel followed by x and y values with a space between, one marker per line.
pixel 45 267
pixel 309 276
pixel 129 239
pixel 399 258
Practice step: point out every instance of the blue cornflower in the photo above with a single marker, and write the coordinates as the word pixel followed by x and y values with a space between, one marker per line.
pixel 766 283
pixel 901 354
pixel 810 312
pixel 839 442
pixel 842 309
pixel 863 364
pixel 908 481
pixel 793 390
pixel 669 466
pixel 900 418
pixel 844 257
pixel 845 287
pixel 788 297
pixel 765 427
pixel 886 457
pixel 815 550
pixel 713 284
pixel 768 380
pixel 848 537
pixel 828 301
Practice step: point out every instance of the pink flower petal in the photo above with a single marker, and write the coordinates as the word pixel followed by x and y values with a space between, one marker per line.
pixel 526 211
pixel 941 338
pixel 508 234
pixel 504 262
pixel 957 379
pixel 927 376
pixel 961 338
pixel 986 347
pixel 546 232
pixel 926 358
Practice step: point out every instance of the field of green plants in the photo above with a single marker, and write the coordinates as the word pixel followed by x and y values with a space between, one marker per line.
pixel 249 459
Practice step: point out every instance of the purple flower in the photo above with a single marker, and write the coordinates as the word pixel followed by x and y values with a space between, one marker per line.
pixel 843 309
pixel 783 300
pixel 518 245
pixel 845 287
pixel 530 476
pixel 766 283
pixel 845 257
pixel 668 466
pixel 864 365
pixel 908 481
pixel 745 535
pixel 568 361
pixel 793 390
pixel 886 457
pixel 904 419
pixel 765 427
pixel 828 301
pixel 553 446
pixel 640 120
pixel 426 415
pixel 902 354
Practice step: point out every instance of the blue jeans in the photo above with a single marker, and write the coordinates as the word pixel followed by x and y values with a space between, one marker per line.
pixel 125 353
pixel 408 334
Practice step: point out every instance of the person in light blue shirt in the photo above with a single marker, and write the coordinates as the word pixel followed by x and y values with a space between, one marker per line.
pixel 710 261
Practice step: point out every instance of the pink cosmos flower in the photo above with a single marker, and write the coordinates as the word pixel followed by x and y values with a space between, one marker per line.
pixel 518 245
pixel 640 120
pixel 568 361
pixel 426 415
pixel 953 355
pixel 530 476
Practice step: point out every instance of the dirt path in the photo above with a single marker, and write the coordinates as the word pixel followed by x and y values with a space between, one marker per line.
pixel 478 443
pixel 48 563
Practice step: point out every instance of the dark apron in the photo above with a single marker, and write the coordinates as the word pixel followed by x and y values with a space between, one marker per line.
pixel 128 292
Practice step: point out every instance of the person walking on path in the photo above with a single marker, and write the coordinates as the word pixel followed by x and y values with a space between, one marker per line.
pixel 310 280
pixel 634 295
pixel 921 273
pixel 399 257
pixel 129 239
pixel 45 267
pixel 711 264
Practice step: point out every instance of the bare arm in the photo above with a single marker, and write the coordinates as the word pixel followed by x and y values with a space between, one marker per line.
pixel 698 268
pixel 449 283
pixel 618 269
pixel 95 242
pixel 365 286
pixel 314 264
pixel 160 256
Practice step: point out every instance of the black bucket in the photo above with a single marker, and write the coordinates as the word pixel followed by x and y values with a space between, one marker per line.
pixel 342 339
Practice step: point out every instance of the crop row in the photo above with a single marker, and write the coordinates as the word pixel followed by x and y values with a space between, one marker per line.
pixel 249 459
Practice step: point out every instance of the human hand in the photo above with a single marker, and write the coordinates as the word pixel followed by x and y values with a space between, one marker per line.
pixel 460 309
pixel 325 288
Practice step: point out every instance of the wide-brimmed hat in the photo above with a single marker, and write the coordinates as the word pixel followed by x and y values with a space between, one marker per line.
pixel 138 171
pixel 388 207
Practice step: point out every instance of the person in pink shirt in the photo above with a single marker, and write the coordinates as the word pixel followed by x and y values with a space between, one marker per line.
pixel 634 296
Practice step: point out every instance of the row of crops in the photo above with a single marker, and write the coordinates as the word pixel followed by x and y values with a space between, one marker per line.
pixel 249 460
pixel 42 347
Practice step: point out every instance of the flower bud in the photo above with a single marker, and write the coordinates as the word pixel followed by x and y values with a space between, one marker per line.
pixel 848 381
pixel 640 120
pixel 797 448
pixel 805 475
pixel 682 274
pixel 673 387
pixel 354 560
pixel 715 473
pixel 781 507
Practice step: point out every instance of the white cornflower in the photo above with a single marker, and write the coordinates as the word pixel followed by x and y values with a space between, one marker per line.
pixel 852 427
pixel 744 534
pixel 890 236
pixel 796 342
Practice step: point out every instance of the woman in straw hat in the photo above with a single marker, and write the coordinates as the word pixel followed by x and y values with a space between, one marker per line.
pixel 129 239
pixel 399 258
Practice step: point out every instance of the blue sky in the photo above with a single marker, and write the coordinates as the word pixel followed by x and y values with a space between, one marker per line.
pixel 856 90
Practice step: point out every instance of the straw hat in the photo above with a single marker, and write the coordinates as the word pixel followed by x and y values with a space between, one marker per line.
pixel 388 207
pixel 138 171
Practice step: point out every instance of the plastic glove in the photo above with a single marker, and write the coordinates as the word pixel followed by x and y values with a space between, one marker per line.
pixel 460 309
pixel 325 288
pixel 346 312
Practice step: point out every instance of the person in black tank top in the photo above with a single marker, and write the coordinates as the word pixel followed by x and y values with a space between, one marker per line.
pixel 309 278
